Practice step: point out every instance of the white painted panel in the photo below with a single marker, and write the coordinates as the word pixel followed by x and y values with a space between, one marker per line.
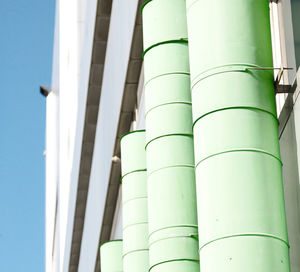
pixel 117 227
pixel 56 251
pixel 90 8
pixel 289 146
pixel 116 63
pixel 287 38
pixel 51 153
pixel 68 91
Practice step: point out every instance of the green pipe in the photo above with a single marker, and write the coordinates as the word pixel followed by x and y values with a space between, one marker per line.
pixel 241 212
pixel 257 93
pixel 111 256
pixel 134 200
pixel 170 119
pixel 172 214
pixel 172 192
pixel 167 89
pixel 177 266
pixel 169 152
pixel 176 55
pixel 163 21
pixel 133 143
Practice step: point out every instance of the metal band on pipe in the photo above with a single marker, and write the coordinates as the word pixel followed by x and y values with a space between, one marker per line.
pixel 244 235
pixel 228 68
pixel 232 108
pixel 182 40
pixel 170 103
pixel 240 150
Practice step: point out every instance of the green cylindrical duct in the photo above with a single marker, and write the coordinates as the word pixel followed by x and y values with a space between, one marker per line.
pixel 171 151
pixel 111 256
pixel 230 33
pixel 241 213
pixel 167 89
pixel 169 119
pixel 163 21
pixel 173 227
pixel 134 200
pixel 173 202
pixel 254 94
pixel 166 59
pixel 236 129
pixel 132 146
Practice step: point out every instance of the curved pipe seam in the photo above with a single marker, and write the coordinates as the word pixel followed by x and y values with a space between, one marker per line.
pixel 240 150
pixel 182 40
pixel 192 235
pixel 238 67
pixel 166 74
pixel 233 108
pixel 130 225
pixel 131 132
pixel 166 135
pixel 144 4
pixel 247 235
pixel 172 227
pixel 174 260
pixel 111 241
pixel 187 8
pixel 172 166
pixel 134 171
pixel 169 103
pixel 133 251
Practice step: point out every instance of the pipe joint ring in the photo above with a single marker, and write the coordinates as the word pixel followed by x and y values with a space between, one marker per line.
pixel 132 251
pixel 229 68
pixel 240 150
pixel 135 171
pixel 171 166
pixel 174 236
pixel 174 260
pixel 265 235
pixel 181 40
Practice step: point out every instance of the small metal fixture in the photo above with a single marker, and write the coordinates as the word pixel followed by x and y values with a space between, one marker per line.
pixel 116 159
pixel 45 90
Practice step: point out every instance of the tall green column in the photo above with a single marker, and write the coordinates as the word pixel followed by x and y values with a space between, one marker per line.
pixel 111 256
pixel 134 201
pixel 173 243
pixel 241 213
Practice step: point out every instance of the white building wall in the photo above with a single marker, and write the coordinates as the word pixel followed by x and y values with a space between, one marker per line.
pixel 51 174
pixel 115 70
pixel 290 150
pixel 68 87
pixel 86 26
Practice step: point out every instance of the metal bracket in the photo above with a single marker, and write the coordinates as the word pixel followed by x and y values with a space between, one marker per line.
pixel 282 88
pixel 279 88
pixel 288 105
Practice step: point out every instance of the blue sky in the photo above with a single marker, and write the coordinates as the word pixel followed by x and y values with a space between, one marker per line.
pixel 26 29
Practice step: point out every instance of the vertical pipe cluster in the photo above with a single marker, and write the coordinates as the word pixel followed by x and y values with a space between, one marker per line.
pixel 173 244
pixel 241 213
pixel 134 200
pixel 111 256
